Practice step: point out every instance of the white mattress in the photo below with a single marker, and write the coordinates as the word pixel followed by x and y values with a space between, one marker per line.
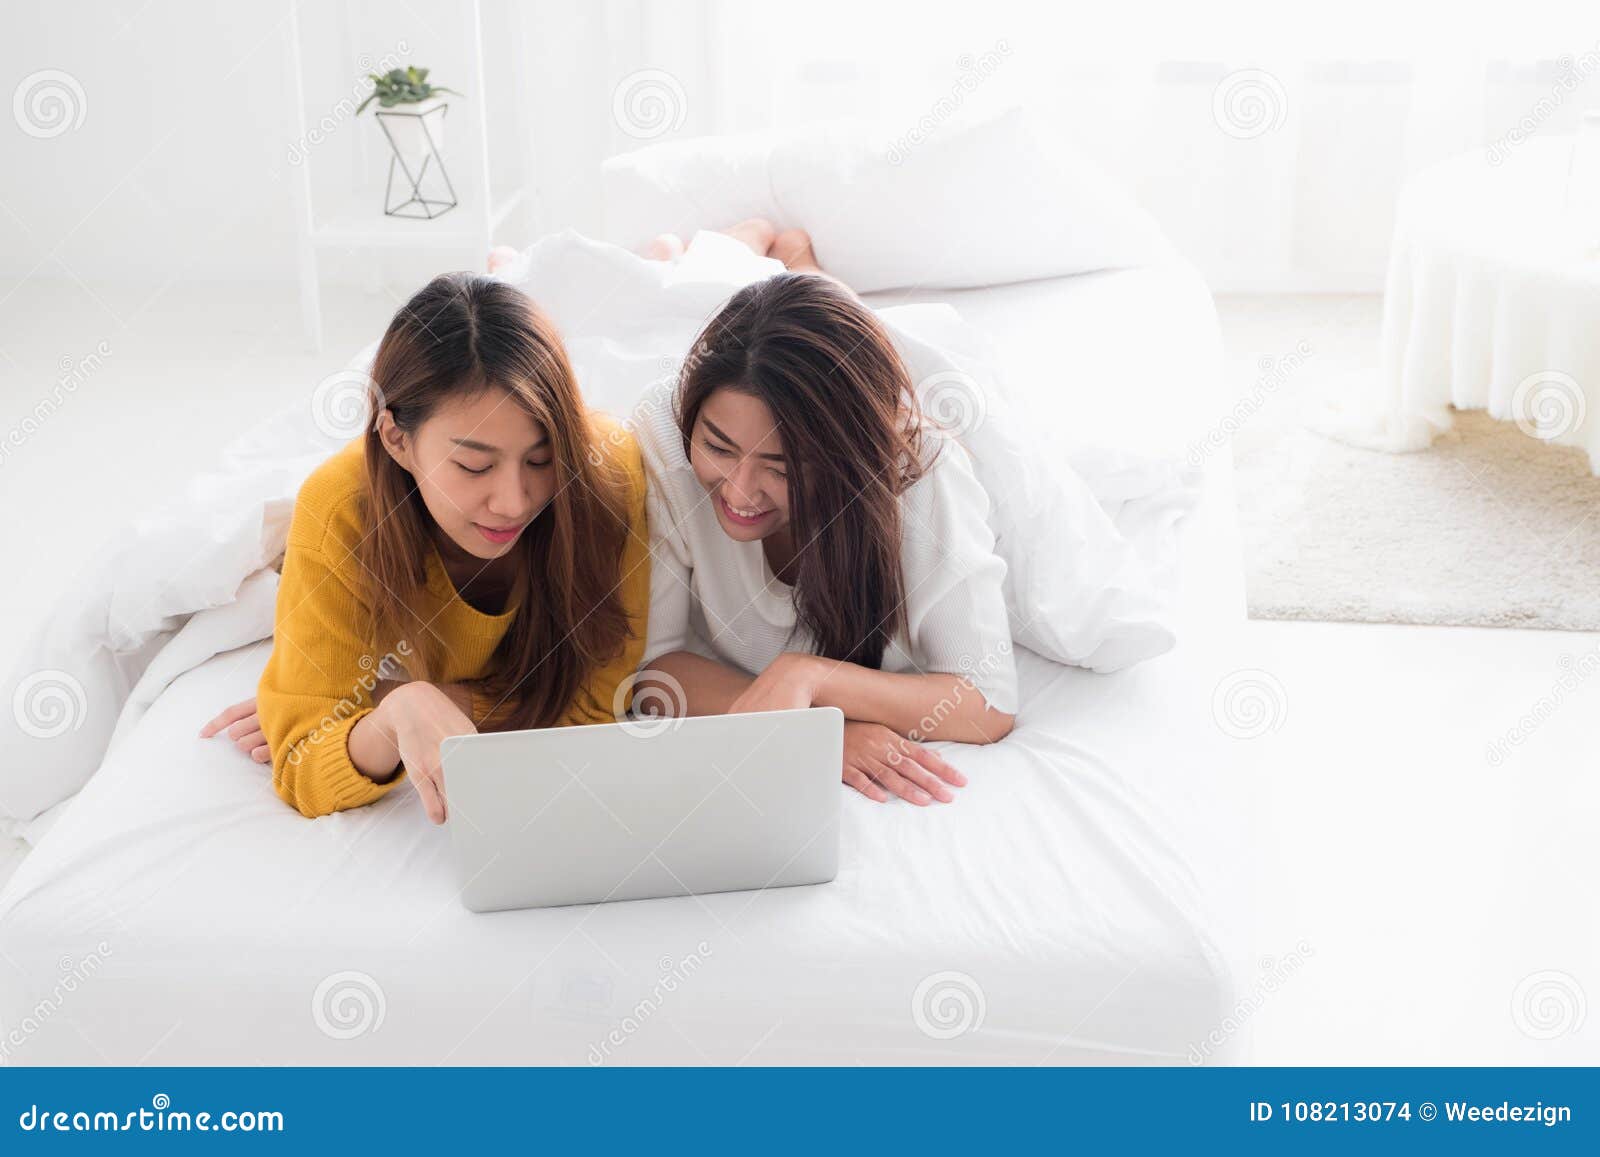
pixel 1054 913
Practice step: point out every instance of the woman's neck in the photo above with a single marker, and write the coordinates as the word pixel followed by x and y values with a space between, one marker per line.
pixel 484 585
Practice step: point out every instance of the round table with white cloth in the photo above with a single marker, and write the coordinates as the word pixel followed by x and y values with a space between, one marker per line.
pixel 1493 300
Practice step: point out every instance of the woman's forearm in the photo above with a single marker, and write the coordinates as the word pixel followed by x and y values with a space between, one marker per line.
pixel 919 707
pixel 934 706
pixel 690 683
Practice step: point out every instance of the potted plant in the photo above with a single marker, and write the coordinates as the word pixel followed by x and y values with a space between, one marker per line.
pixel 406 94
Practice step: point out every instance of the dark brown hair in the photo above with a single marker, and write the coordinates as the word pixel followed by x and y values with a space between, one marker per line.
pixel 460 335
pixel 847 416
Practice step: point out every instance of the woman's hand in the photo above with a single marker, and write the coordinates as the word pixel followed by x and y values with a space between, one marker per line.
pixel 878 761
pixel 789 683
pixel 244 728
pixel 416 717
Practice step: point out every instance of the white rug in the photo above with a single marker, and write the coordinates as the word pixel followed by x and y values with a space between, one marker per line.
pixel 1488 527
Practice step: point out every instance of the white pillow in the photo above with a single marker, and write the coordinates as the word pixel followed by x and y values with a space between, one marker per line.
pixel 979 201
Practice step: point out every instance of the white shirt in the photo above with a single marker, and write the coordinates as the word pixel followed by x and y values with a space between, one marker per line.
pixel 719 598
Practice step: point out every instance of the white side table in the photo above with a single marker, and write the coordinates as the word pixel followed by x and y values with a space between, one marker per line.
pixel 1492 302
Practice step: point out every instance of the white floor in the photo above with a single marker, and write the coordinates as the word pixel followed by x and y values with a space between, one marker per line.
pixel 1421 883
pixel 1428 881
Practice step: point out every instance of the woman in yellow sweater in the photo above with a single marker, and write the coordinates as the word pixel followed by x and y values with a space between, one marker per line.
pixel 479 560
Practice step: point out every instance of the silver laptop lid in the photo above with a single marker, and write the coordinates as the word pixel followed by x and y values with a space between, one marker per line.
pixel 653 807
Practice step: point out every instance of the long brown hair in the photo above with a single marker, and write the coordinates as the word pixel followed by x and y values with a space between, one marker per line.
pixel 460 335
pixel 847 416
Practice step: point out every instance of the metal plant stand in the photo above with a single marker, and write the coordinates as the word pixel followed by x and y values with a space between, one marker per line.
pixel 416 205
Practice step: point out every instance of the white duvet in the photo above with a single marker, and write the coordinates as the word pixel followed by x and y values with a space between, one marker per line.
pixel 1080 591
pixel 179 913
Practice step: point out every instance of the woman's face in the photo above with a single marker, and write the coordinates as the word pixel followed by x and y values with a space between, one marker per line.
pixel 737 455
pixel 484 468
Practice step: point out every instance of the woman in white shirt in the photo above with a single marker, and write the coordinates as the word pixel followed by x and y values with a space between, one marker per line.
pixel 815 544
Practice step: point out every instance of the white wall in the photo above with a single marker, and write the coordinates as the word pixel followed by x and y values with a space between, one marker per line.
pixel 180 168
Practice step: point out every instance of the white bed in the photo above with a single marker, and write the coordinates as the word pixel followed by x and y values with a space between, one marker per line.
pixel 1070 907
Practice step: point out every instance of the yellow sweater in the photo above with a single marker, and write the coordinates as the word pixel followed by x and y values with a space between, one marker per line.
pixel 319 680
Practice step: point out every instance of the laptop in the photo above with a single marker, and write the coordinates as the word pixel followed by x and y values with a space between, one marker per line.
pixel 645 808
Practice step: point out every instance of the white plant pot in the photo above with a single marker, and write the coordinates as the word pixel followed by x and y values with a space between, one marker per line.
pixel 405 125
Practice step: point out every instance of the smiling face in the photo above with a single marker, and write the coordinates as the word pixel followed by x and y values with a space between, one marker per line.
pixel 483 467
pixel 737 455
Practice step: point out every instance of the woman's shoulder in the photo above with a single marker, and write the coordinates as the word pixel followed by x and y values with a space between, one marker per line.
pixel 328 508
pixel 655 420
pixel 947 491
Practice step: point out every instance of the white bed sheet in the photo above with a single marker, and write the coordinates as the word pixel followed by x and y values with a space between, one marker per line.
pixel 1053 913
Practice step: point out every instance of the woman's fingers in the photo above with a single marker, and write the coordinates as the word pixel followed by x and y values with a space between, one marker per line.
pixel 934 763
pixel 262 754
pixel 248 742
pixel 431 795
pixel 863 783
pixel 241 710
pixel 249 725
pixel 892 781
pixel 906 764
